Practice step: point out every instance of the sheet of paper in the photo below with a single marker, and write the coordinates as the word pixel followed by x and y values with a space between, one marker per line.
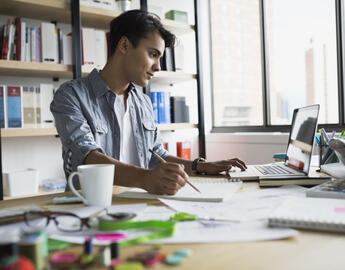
pixel 199 232
pixel 243 206
pixel 216 191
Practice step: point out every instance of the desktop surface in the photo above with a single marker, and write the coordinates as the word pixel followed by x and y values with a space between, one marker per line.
pixel 308 250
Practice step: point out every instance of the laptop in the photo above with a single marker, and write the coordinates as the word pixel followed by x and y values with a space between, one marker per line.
pixel 298 153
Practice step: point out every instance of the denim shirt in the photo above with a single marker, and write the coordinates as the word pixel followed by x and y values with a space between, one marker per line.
pixel 85 120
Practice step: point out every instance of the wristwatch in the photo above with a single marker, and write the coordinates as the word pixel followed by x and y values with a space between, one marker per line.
pixel 195 164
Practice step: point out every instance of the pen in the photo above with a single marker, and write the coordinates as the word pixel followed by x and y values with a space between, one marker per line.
pixel 163 161
pixel 333 134
pixel 325 135
pixel 317 139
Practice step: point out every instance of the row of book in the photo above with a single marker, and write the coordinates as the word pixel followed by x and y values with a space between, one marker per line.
pixel 169 109
pixel 26 106
pixel 21 42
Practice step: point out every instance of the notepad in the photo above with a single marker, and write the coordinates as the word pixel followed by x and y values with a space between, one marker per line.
pixel 310 213
pixel 212 190
pixel 331 189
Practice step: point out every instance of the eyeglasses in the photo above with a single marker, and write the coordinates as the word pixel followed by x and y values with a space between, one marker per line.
pixel 66 222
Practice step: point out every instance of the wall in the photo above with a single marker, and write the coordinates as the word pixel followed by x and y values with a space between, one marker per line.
pixel 252 148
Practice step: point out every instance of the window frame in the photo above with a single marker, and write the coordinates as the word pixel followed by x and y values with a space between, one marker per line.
pixel 267 126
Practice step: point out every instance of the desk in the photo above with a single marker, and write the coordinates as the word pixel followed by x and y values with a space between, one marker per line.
pixel 309 250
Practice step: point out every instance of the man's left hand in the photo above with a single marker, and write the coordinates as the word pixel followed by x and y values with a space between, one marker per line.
pixel 220 166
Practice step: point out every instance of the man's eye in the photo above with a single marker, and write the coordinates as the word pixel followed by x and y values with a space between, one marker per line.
pixel 153 54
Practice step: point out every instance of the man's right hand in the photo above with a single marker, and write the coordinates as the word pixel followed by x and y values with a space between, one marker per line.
pixel 165 178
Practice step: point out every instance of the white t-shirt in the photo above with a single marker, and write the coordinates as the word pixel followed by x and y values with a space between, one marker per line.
pixel 128 149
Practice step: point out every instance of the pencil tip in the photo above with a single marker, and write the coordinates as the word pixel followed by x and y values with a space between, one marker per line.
pixel 151 151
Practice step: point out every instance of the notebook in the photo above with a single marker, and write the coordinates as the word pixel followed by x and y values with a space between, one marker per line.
pixel 310 213
pixel 212 190
pixel 298 154
pixel 298 180
pixel 330 189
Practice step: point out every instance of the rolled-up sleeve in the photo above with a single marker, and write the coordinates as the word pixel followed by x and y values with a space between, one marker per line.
pixel 76 136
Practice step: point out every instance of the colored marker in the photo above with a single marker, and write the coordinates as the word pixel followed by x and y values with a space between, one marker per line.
pixel 317 139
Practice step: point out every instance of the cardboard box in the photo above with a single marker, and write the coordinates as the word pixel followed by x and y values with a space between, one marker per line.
pixel 20 182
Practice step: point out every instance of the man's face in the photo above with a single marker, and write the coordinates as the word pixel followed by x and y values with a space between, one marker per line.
pixel 143 61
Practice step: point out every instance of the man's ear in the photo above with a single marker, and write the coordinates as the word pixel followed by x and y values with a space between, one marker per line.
pixel 123 45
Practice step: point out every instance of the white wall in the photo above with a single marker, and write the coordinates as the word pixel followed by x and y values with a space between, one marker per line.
pixel 41 153
pixel 252 148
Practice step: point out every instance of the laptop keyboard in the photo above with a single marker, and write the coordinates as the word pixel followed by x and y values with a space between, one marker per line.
pixel 272 169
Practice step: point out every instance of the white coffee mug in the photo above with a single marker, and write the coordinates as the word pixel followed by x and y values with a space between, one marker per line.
pixel 96 182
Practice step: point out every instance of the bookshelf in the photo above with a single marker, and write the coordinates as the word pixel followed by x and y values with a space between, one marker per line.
pixel 176 126
pixel 61 12
pixel 35 69
pixel 27 132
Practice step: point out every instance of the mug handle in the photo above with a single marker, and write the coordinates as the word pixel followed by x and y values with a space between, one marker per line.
pixel 70 183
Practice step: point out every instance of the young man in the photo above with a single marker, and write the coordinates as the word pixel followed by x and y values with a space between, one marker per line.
pixel 103 118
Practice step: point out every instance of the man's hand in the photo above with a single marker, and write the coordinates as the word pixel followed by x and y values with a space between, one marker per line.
pixel 165 178
pixel 220 166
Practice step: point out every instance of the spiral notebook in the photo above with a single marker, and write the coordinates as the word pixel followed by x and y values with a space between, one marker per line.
pixel 212 190
pixel 310 213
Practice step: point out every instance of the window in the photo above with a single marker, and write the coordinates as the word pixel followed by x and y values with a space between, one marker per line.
pixel 302 58
pixel 299 39
pixel 236 54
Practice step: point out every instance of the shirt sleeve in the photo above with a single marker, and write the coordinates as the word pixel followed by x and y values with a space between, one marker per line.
pixel 75 133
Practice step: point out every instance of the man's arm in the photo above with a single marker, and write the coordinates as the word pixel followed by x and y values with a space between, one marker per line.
pixel 166 178
pixel 208 167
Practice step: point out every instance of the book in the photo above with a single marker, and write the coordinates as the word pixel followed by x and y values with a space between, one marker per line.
pixel 29 110
pixel 14 107
pixel 23 40
pixel 298 180
pixel 49 43
pixel 89 46
pixel 310 213
pixel 3 114
pixel 101 51
pixel 154 106
pixel 166 107
pixel 329 189
pixel 67 49
pixel 47 94
pixel 33 44
pixel 160 105
pixel 179 110
pixel 38 105
pixel 211 191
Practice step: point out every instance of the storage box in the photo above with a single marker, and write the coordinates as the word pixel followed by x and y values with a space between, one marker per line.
pixel 177 15
pixel 20 182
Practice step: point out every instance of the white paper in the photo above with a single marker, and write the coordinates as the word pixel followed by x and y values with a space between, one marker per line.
pixel 243 206
pixel 216 191
pixel 199 232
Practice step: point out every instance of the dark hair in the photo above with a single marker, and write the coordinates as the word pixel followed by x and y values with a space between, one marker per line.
pixel 135 25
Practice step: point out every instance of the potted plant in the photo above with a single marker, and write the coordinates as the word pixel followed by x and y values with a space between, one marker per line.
pixel 123 5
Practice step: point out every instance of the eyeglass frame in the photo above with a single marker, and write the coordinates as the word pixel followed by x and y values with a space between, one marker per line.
pixel 51 215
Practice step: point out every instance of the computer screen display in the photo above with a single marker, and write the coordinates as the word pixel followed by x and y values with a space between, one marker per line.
pixel 302 134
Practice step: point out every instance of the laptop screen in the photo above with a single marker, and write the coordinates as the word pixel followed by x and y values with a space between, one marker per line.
pixel 302 134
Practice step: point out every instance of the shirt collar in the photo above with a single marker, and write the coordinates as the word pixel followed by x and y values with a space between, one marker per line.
pixel 99 86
